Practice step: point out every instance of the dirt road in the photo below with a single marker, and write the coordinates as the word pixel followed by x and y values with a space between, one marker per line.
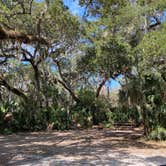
pixel 86 147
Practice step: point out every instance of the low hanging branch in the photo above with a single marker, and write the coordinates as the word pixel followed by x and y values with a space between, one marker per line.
pixel 12 89
pixel 20 37
pixel 63 82
pixel 75 98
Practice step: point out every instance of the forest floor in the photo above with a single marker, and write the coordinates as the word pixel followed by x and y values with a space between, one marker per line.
pixel 120 147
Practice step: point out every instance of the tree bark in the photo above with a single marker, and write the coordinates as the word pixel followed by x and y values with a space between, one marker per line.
pixel 20 37
pixel 36 75
pixel 100 86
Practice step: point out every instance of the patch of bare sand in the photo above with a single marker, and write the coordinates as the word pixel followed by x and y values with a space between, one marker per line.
pixel 122 147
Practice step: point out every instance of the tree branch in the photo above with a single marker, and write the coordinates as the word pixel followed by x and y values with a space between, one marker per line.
pixel 63 82
pixel 17 92
pixel 75 98
pixel 20 37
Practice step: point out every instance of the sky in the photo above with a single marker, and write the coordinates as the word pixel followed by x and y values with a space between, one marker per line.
pixel 162 18
pixel 74 7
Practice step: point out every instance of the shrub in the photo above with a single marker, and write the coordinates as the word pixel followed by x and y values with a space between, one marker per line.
pixel 120 115
pixel 91 110
pixel 109 121
pixel 59 118
pixel 81 117
pixel 158 134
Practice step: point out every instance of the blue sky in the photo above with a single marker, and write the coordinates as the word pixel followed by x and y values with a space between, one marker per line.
pixel 162 18
pixel 113 84
pixel 74 7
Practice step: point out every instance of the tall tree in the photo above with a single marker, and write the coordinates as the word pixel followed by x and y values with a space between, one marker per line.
pixel 34 32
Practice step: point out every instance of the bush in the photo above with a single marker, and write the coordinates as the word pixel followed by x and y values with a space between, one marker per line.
pixel 162 116
pixel 123 114
pixel 158 134
pixel 59 118
pixel 2 113
pixel 91 110
pixel 120 115
pixel 81 117
pixel 7 131
pixel 108 122
pixel 34 116
pixel 5 126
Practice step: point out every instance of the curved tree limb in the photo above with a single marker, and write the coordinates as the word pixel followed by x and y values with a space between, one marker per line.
pixel 75 98
pixel 16 91
pixel 20 37
pixel 63 82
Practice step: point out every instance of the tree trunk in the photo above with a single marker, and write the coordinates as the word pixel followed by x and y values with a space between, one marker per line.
pixel 145 121
pixel 100 86
pixel 37 81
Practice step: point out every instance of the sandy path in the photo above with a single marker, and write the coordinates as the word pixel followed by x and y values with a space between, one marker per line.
pixel 87 147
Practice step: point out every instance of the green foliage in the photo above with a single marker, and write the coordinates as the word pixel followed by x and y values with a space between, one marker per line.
pixel 59 118
pixel 153 49
pixel 27 118
pixel 3 108
pixel 91 110
pixel 81 117
pixel 7 131
pixel 2 113
pixel 87 97
pixel 109 121
pixel 102 7
pixel 122 115
pixel 158 134
pixel 105 53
